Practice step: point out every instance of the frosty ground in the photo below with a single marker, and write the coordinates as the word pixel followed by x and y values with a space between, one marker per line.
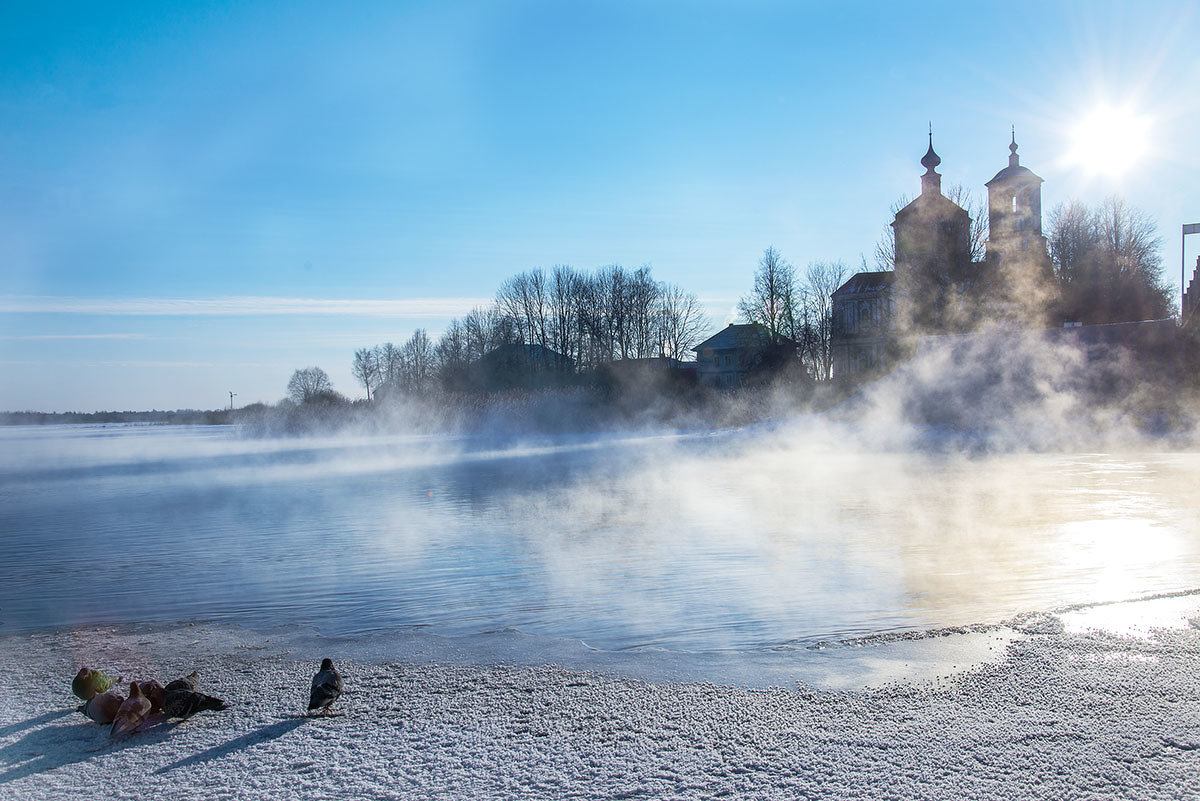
pixel 1056 713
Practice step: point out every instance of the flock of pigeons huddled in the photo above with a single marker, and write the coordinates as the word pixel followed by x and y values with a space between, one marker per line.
pixel 151 701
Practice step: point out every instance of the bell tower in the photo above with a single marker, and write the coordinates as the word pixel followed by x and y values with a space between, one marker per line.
pixel 1015 212
pixel 1018 272
pixel 933 255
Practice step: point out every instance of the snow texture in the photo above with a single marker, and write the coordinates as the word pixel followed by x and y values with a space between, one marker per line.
pixel 1060 714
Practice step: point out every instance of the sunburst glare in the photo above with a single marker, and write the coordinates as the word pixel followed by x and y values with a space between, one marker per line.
pixel 1109 141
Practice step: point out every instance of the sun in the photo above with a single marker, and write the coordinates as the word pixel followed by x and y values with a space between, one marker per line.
pixel 1109 141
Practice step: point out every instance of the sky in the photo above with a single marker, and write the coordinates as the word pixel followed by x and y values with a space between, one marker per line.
pixel 199 198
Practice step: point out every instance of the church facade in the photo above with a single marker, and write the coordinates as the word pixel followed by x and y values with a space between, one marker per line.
pixel 937 287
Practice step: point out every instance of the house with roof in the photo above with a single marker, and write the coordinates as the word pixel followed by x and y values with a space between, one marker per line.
pixel 519 365
pixel 741 354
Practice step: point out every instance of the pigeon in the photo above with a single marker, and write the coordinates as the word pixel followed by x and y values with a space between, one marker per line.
pixel 87 683
pixel 326 687
pixel 189 682
pixel 133 712
pixel 183 703
pixel 103 707
pixel 154 692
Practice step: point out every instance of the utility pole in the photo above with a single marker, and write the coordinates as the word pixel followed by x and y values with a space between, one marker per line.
pixel 232 395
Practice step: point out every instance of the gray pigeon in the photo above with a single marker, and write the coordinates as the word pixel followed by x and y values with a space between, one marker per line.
pixel 189 682
pixel 183 703
pixel 326 687
pixel 103 707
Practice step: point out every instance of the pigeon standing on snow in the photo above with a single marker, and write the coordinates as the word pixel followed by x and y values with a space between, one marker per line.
pixel 88 683
pixel 132 713
pixel 103 707
pixel 326 687
pixel 182 700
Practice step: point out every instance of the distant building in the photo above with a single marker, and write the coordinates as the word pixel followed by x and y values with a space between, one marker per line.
pixel 936 286
pixel 739 353
pixel 512 366
pixel 862 309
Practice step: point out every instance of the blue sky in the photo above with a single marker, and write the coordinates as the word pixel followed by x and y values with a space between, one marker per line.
pixel 199 198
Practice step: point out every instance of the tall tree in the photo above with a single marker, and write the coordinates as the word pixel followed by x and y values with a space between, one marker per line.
pixel 366 368
pixel 417 360
pixel 682 322
pixel 821 280
pixel 564 285
pixel 774 302
pixel 387 360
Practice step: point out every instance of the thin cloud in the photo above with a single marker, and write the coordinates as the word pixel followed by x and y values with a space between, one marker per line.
pixel 432 308
pixel 131 363
pixel 27 337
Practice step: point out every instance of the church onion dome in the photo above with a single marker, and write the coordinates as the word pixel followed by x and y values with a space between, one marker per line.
pixel 930 159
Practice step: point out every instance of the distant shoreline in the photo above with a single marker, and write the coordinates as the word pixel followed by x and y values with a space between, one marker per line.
pixel 177 417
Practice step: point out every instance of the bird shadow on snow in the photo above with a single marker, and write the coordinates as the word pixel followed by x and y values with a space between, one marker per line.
pixel 260 735
pixel 45 717
pixel 50 747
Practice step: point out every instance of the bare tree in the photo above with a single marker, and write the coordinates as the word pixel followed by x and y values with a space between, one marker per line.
pixel 387 358
pixel 682 321
pixel 822 279
pixel 417 361
pixel 642 307
pixel 308 383
pixel 565 285
pixel 450 353
pixel 1107 263
pixel 978 212
pixel 485 329
pixel 774 301
pixel 366 368
pixel 592 320
pixel 524 300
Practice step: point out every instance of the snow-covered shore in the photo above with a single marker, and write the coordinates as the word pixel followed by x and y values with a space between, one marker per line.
pixel 1052 715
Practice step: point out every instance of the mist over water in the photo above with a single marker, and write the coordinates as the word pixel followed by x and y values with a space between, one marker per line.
pixel 744 540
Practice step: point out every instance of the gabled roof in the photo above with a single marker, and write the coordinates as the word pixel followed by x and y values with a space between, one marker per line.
pixel 935 203
pixel 749 335
pixel 866 282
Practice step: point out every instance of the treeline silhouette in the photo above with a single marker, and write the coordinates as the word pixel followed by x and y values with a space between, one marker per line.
pixel 543 328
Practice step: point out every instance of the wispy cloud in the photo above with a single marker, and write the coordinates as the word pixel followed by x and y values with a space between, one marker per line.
pixel 129 363
pixel 431 308
pixel 26 337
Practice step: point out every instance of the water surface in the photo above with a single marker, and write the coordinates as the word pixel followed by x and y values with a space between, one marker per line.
pixel 740 541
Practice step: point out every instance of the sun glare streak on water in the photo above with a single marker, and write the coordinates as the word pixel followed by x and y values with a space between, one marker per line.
pixel 747 541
